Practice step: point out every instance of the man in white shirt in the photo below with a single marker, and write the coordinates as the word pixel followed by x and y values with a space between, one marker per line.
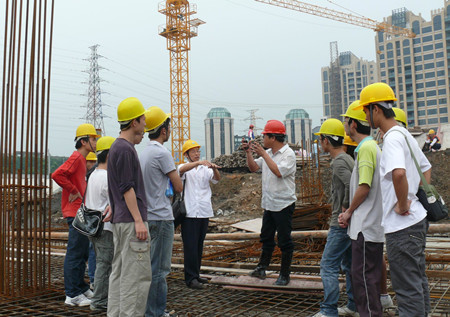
pixel 158 169
pixel 278 167
pixel 404 217
pixel 97 198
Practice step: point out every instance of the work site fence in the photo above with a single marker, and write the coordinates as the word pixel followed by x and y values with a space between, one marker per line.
pixel 25 193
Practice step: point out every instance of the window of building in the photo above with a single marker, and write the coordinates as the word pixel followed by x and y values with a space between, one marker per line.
pixel 350 75
pixel 406 51
pixel 428 38
pixel 421 113
pixel 443 110
pixel 429 65
pixel 407 60
pixel 397 44
pixel 442 92
pixel 427 57
pixel 430 84
pixel 399 69
pixel 417 49
pixel 439 54
pixel 327 111
pixel 432 102
pixel 326 98
pixel 429 75
pixel 419 85
pixel 325 87
pixel 431 93
pixel 437 23
pixel 421 104
pixel 419 76
pixel 380 37
pixel 417 59
pixel 438 36
pixel 382 65
pixel 416 41
pixel 383 73
pixel 442 101
pixel 390 54
pixel 428 47
pixel 418 68
pixel 422 122
pixel 389 46
pixel 439 64
pixel 433 121
pixel 440 73
pixel 444 119
pixel 441 82
pixel 416 27
pixel 420 94
pixel 381 48
pixel 426 29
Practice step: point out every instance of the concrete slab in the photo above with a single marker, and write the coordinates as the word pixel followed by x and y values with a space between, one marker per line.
pixel 253 225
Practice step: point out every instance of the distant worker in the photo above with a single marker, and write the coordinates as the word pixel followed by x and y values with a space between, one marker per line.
pixel 251 134
pixel 71 176
pixel 337 253
pixel 159 171
pixel 197 176
pixel 131 274
pixel 363 216
pixel 91 163
pixel 349 145
pixel 97 198
pixel 91 160
pixel 433 141
pixel 404 217
pixel 278 166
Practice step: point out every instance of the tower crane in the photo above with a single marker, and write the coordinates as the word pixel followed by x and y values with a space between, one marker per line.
pixel 178 30
pixel 340 16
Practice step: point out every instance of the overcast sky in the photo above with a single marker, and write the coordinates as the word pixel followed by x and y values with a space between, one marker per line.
pixel 248 55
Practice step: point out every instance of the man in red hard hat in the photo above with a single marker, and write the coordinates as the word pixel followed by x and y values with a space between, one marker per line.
pixel 278 197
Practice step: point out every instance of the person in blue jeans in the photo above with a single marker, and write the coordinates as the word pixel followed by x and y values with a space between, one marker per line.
pixel 158 169
pixel 337 254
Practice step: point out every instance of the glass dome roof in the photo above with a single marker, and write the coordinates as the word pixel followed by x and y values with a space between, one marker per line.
pixel 219 112
pixel 297 114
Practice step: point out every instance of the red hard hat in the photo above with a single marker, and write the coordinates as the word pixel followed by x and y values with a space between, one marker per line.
pixel 251 126
pixel 275 127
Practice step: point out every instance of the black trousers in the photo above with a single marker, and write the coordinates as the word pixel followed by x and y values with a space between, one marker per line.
pixel 280 222
pixel 193 232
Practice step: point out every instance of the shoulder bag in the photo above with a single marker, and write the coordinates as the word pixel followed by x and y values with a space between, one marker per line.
pixel 428 195
pixel 178 207
pixel 88 221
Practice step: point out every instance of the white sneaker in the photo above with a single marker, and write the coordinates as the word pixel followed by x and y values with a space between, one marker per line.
pixel 386 301
pixel 79 300
pixel 320 314
pixel 345 311
pixel 89 294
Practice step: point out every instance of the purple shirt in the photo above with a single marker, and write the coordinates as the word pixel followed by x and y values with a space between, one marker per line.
pixel 124 173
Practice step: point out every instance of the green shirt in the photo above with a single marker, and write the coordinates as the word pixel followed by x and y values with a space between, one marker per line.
pixel 367 160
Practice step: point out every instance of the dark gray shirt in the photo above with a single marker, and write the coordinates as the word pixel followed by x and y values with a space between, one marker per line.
pixel 342 167
pixel 124 173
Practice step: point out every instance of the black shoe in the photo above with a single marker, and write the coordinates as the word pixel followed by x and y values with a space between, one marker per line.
pixel 283 280
pixel 202 280
pixel 195 284
pixel 98 308
pixel 259 272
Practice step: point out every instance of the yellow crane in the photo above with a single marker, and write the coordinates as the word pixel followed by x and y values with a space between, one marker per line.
pixel 340 16
pixel 178 30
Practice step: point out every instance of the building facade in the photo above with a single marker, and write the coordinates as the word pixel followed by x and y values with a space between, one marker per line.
pixel 354 74
pixel 219 133
pixel 298 127
pixel 417 68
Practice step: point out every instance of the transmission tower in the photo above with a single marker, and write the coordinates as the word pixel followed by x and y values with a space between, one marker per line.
pixel 252 118
pixel 94 113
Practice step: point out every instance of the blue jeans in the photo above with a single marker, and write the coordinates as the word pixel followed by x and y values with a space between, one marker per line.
pixel 337 254
pixel 161 233
pixel 91 263
pixel 75 262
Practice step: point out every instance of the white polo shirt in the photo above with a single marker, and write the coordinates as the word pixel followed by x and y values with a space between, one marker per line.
pixel 97 197
pixel 396 154
pixel 197 192
pixel 278 192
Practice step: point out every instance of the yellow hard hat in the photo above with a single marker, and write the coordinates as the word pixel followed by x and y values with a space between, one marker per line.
pixel 85 130
pixel 91 157
pixel 104 143
pixel 400 115
pixel 348 141
pixel 431 131
pixel 129 109
pixel 359 114
pixel 375 93
pixel 154 117
pixel 332 127
pixel 189 144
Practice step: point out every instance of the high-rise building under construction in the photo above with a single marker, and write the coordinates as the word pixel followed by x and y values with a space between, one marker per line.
pixel 417 69
pixel 219 133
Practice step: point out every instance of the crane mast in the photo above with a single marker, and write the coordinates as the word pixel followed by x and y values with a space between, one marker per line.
pixel 178 30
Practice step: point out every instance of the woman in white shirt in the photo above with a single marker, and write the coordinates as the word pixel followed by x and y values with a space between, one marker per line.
pixel 196 175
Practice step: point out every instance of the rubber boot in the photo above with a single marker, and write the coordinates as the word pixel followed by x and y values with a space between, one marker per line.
pixel 264 261
pixel 284 277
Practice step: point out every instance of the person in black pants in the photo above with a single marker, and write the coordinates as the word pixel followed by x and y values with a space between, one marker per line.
pixel 197 197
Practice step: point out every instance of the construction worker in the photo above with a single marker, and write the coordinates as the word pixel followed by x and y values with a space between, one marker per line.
pixel 130 277
pixel 159 171
pixel 363 216
pixel 278 166
pixel 349 145
pixel 337 252
pixel 71 176
pixel 251 134
pixel 433 141
pixel 400 117
pixel 196 175
pixel 404 217
pixel 91 162
pixel 97 199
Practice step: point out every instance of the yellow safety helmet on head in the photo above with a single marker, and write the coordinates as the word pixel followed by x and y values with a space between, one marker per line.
pixel 348 141
pixel 129 109
pixel 400 116
pixel 189 144
pixel 374 93
pixel 332 127
pixel 154 118
pixel 85 130
pixel 358 114
pixel 431 131
pixel 104 143
pixel 91 157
